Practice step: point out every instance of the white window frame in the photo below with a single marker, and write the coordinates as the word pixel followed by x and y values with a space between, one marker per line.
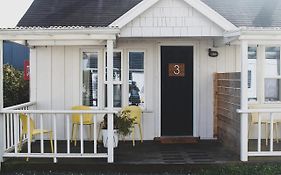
pixel 269 77
pixel 121 82
pixel 124 81
pixel 127 77
pixel 261 62
pixel 257 74
pixel 100 70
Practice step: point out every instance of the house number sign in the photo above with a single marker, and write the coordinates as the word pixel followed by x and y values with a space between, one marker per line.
pixel 176 69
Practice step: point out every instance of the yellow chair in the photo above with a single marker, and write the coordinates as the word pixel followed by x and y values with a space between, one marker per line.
pixel 33 131
pixel 135 113
pixel 265 120
pixel 87 120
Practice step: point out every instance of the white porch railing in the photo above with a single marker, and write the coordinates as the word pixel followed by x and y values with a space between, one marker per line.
pixel 270 120
pixel 12 129
pixel 11 124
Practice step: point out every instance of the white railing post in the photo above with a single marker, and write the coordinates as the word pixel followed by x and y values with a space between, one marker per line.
pixel 8 126
pixel 16 132
pixel 95 134
pixel 2 137
pixel 271 132
pixel 2 129
pixel 259 132
pixel 81 135
pixel 28 135
pixel 110 149
pixel 68 133
pixel 55 137
pixel 244 102
pixel 41 134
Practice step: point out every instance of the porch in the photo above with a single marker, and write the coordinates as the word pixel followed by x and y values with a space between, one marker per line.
pixel 148 152
pixel 149 156
pixel 59 85
pixel 91 153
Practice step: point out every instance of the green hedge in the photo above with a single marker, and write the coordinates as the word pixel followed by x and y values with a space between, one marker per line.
pixel 16 89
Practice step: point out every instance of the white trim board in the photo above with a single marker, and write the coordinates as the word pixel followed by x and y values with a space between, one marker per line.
pixel 196 4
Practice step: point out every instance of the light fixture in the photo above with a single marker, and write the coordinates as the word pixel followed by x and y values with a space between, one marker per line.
pixel 212 53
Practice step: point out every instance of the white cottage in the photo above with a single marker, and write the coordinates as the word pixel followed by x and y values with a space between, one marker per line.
pixel 92 53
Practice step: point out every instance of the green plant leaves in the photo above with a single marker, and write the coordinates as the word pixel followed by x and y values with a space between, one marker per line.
pixel 16 89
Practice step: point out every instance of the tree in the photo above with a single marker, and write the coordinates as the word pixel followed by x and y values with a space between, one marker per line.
pixel 16 89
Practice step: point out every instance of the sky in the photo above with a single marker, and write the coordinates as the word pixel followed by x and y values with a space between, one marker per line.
pixel 11 11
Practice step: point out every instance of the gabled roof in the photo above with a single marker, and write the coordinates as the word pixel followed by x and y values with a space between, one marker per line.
pixel 45 13
pixel 196 4
pixel 249 13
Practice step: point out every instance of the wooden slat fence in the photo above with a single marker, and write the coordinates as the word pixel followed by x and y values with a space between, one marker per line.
pixel 226 103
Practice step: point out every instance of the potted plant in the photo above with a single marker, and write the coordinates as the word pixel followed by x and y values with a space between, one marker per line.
pixel 122 127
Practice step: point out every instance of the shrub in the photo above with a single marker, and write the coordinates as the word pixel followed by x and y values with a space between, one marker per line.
pixel 15 88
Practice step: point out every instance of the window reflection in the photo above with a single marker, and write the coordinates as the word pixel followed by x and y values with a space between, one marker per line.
pixel 90 79
pixel 272 89
pixel 272 67
pixel 117 80
pixel 272 73
pixel 117 95
pixel 136 78
pixel 116 66
pixel 252 75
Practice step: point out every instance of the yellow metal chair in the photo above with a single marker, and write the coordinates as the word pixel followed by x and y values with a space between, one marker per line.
pixel 135 112
pixel 265 120
pixel 87 120
pixel 33 131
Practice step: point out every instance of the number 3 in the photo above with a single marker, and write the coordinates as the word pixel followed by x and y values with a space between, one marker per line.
pixel 177 71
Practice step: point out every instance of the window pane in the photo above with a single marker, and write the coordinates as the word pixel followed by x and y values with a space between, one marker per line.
pixel 272 89
pixel 252 76
pixel 90 78
pixel 117 95
pixel 272 66
pixel 116 66
pixel 136 78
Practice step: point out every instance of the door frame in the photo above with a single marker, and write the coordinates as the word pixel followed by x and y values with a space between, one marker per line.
pixel 195 45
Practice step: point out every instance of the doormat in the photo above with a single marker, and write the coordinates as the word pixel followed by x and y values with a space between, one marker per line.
pixel 177 139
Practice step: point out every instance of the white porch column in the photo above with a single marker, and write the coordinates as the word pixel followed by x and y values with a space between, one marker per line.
pixel 33 75
pixel 244 102
pixel 110 100
pixel 2 124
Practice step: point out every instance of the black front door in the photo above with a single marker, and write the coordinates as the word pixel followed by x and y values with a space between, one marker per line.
pixel 177 91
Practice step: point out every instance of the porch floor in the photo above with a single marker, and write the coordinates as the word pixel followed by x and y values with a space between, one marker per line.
pixel 147 153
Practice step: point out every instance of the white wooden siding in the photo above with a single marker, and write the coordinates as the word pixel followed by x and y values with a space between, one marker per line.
pixel 58 74
pixel 171 18
pixel 44 82
pixel 58 79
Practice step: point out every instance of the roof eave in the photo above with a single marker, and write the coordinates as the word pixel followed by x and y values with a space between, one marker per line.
pixel 37 33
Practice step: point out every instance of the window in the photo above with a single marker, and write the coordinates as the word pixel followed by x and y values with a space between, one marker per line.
pixel 90 79
pixel 252 75
pixel 117 80
pixel 136 78
pixel 272 74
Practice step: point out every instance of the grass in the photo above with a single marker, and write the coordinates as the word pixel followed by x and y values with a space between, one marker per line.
pixel 231 169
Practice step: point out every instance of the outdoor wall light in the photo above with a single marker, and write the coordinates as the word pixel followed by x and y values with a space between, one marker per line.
pixel 212 53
